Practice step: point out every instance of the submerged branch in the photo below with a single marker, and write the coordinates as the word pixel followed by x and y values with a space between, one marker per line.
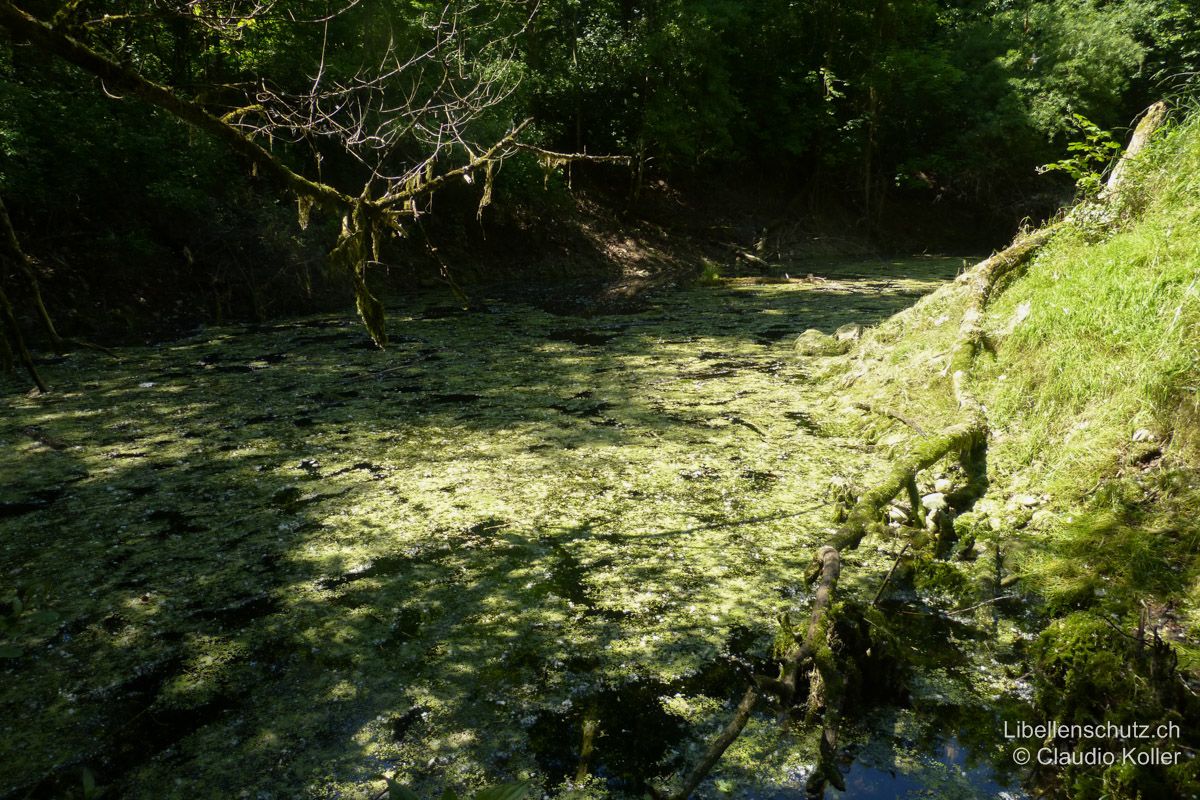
pixel 718 746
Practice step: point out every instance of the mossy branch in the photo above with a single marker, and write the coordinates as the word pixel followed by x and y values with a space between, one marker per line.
pixel 422 188
pixel 558 159
pixel 717 747
pixel 116 76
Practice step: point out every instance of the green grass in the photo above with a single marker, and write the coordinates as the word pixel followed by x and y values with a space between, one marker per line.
pixel 1090 379
pixel 710 273
pixel 1093 364
pixel 1110 343
pixel 1094 392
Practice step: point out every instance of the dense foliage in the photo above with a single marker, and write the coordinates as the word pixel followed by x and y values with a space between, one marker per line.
pixel 882 103
pixel 960 96
pixel 538 555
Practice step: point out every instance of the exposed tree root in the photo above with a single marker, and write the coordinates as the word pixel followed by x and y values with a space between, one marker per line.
pixel 827 687
pixel 716 747
pixel 967 438
pixel 813 651
pixel 889 413
pixel 888 577
pixel 809 647
pixel 829 564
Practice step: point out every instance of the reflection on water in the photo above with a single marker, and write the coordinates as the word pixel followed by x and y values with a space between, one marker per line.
pixel 954 770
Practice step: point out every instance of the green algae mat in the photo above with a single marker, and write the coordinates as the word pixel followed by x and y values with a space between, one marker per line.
pixel 274 562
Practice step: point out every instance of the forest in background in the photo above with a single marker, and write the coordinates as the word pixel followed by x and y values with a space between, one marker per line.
pixel 867 118
pixel 669 430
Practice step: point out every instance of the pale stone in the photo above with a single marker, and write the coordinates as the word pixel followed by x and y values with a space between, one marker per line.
pixel 814 343
pixel 848 333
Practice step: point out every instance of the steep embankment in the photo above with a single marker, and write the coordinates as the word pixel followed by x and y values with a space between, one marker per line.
pixel 1087 371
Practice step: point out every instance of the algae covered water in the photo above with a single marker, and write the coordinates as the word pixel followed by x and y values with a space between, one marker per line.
pixel 274 561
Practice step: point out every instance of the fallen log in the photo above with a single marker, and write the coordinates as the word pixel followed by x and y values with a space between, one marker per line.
pixel 829 566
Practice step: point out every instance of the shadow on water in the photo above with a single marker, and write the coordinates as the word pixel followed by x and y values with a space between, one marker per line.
pixel 635 735
pixel 929 733
pixel 281 561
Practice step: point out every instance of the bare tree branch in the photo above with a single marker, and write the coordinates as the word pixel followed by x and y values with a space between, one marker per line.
pixel 410 120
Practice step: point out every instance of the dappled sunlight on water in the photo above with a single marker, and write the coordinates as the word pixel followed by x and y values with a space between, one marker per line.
pixel 280 561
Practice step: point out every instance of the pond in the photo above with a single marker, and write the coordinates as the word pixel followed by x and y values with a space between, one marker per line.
pixel 273 561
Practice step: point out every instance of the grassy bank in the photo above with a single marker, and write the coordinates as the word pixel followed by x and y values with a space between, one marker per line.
pixel 1090 380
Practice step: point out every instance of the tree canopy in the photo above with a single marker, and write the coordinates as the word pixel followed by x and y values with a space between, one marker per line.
pixel 368 108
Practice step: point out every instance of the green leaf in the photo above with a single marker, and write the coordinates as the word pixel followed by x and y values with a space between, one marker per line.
pixel 10 651
pixel 506 791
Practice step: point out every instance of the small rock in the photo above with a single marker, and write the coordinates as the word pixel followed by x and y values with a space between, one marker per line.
pixel 849 333
pixel 995 523
pixel 1026 500
pixel 814 343
pixel 934 502
pixel 1042 518
pixel 1022 313
pixel 1143 435
pixel 897 514
pixel 943 485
